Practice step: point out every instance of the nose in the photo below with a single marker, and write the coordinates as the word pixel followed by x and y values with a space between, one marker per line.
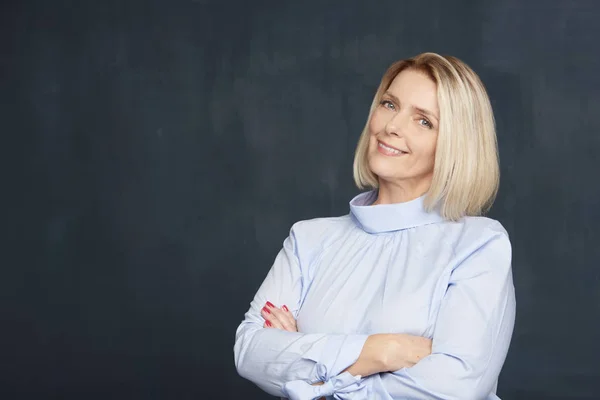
pixel 394 124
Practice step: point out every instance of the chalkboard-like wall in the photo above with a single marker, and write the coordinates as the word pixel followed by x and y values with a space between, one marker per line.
pixel 156 153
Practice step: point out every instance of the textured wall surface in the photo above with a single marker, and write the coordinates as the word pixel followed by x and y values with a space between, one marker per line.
pixel 156 154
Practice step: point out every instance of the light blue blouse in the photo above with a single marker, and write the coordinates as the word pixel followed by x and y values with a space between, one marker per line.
pixel 384 269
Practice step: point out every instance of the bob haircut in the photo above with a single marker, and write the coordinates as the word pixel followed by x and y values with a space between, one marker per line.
pixel 466 171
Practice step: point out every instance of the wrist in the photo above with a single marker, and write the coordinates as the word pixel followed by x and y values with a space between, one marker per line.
pixel 389 347
pixel 383 348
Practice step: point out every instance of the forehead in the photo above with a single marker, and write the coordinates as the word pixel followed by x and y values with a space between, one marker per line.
pixel 416 89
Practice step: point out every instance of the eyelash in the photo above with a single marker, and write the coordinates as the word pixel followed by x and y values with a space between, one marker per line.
pixel 428 124
pixel 386 102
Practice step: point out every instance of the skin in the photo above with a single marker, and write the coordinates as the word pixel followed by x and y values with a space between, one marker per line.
pixel 406 119
pixel 278 318
pixel 381 352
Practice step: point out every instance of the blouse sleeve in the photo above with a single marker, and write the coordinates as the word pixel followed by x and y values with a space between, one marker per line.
pixel 472 333
pixel 286 363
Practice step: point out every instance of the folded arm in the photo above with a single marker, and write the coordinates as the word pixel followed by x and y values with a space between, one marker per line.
pixel 277 360
pixel 472 334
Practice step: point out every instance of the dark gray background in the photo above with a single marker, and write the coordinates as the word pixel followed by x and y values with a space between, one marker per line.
pixel 156 153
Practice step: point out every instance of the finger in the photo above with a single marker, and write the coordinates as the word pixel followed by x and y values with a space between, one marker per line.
pixel 267 324
pixel 281 315
pixel 268 315
pixel 265 312
pixel 290 317
pixel 283 319
pixel 289 314
pixel 271 315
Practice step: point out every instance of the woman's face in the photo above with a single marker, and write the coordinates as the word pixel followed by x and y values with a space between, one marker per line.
pixel 403 132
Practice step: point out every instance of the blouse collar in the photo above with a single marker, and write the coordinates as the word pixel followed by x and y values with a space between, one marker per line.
pixel 390 217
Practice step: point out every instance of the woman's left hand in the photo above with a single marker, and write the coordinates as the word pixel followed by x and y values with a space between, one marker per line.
pixel 279 318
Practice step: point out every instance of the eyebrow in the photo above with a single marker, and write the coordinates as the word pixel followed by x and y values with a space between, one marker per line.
pixel 418 109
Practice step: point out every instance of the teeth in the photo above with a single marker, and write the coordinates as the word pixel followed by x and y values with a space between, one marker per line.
pixel 391 150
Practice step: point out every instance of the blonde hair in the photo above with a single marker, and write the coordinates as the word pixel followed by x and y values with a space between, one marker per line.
pixel 466 172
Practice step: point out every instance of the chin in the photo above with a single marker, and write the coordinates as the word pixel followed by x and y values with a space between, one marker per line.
pixel 384 167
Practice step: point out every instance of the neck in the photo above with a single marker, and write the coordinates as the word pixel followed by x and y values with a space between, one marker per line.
pixel 390 193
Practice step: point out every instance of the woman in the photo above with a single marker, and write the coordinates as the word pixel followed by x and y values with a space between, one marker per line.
pixel 410 296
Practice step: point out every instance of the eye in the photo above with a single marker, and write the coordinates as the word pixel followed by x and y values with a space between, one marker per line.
pixel 388 104
pixel 425 122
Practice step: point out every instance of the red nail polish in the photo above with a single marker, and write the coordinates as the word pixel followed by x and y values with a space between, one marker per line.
pixel 270 304
pixel 265 309
pixel 285 308
pixel 269 323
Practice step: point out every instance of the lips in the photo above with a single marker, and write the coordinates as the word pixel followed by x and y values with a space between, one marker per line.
pixel 388 150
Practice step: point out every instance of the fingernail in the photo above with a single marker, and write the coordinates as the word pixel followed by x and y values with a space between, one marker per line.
pixel 268 323
pixel 270 304
pixel 265 309
pixel 285 308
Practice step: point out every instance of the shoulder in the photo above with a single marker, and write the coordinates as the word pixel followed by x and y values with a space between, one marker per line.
pixel 311 235
pixel 308 237
pixel 319 227
pixel 486 228
pixel 483 251
pixel 473 235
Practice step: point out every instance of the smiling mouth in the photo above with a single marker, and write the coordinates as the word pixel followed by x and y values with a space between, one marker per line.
pixel 389 151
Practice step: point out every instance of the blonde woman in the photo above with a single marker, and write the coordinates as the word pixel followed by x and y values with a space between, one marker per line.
pixel 410 295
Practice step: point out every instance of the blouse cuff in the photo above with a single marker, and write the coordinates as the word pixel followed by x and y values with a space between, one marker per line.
pixel 339 386
pixel 332 357
pixel 336 354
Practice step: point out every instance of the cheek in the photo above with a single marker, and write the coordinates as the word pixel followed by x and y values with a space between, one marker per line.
pixel 372 137
pixel 425 151
pixel 433 147
pixel 429 153
pixel 372 133
pixel 376 123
